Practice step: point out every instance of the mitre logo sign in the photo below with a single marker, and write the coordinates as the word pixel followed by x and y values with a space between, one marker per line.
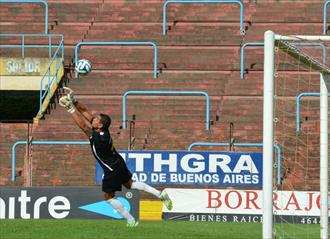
pixel 57 207
pixel 60 203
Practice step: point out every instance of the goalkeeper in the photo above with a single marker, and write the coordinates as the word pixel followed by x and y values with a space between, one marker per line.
pixel 116 173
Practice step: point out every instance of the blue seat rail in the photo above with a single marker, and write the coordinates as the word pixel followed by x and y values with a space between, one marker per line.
pixel 13 150
pixel 326 3
pixel 154 45
pixel 168 93
pixel 32 1
pixel 242 30
pixel 298 99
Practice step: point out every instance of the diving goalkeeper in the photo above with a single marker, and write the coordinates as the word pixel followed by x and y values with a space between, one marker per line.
pixel 116 173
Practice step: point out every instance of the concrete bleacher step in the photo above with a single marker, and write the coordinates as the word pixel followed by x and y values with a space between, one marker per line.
pixel 288 11
pixel 182 34
pixel 114 83
pixel 250 109
pixel 253 60
pixel 24 13
pixel 28 40
pixel 173 57
pixel 125 11
pixel 74 11
pixel 253 82
pixel 73 160
pixel 73 32
pixel 14 27
pixel 77 2
pixel 257 30
pixel 10 134
pixel 27 17
pixel 302 164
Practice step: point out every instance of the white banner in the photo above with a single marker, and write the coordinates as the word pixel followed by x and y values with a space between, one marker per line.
pixel 249 202
pixel 193 168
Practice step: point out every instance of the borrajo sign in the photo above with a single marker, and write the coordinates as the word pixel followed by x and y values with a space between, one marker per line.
pixel 193 168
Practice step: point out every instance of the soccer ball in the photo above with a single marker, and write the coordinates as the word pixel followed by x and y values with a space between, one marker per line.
pixel 83 67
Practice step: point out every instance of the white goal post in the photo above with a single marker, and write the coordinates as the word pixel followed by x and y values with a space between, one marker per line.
pixel 268 128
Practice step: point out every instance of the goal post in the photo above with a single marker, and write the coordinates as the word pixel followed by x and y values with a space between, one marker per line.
pixel 283 42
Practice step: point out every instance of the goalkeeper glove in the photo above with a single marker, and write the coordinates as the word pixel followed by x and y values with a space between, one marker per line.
pixel 70 94
pixel 67 103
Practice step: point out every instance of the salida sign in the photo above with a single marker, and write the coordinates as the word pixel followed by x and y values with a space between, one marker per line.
pixel 60 203
pixel 193 168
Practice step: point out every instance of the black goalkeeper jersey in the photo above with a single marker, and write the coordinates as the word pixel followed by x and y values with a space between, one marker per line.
pixel 104 151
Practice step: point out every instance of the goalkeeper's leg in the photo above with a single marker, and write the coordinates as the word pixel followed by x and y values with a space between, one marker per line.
pixel 119 207
pixel 163 196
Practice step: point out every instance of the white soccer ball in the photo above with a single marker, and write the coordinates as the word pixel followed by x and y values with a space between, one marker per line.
pixel 83 67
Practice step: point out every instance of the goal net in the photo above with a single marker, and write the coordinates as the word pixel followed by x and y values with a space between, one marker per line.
pixel 296 118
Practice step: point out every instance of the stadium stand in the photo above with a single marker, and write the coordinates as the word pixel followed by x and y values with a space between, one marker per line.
pixel 200 52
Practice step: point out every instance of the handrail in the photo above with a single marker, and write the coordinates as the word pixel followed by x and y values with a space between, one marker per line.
pixel 324 51
pixel 242 54
pixel 298 106
pixel 276 146
pixel 135 92
pixel 13 150
pixel 32 1
pixel 50 81
pixel 242 31
pixel 325 17
pixel 121 43
pixel 23 46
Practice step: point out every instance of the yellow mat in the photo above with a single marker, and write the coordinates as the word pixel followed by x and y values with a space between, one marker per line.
pixel 151 210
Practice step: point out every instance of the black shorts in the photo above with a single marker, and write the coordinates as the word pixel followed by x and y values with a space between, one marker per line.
pixel 113 181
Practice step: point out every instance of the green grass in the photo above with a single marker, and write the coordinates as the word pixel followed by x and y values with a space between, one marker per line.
pixel 114 229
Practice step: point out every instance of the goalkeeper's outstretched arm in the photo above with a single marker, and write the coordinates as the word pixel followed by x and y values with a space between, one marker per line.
pixel 78 111
pixel 79 106
pixel 82 122
pixel 83 110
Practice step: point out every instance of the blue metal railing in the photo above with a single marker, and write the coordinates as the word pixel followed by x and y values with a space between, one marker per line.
pixel 242 31
pixel 298 106
pixel 48 74
pixel 13 150
pixel 32 1
pixel 276 146
pixel 120 44
pixel 325 17
pixel 50 45
pixel 168 93
pixel 312 44
pixel 243 55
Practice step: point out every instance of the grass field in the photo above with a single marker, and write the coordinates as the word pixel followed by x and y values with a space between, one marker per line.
pixel 115 229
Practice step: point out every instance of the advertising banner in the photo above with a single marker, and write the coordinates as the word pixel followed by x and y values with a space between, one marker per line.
pixel 193 168
pixel 63 202
pixel 242 206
